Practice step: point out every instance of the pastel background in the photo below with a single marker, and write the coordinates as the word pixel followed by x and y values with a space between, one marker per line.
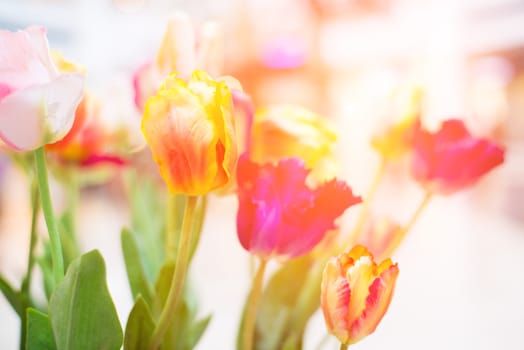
pixel 460 283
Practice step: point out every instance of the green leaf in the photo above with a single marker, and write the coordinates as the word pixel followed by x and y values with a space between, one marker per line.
pixel 136 274
pixel 11 295
pixel 82 313
pixel 307 303
pixel 147 203
pixel 278 302
pixel 39 332
pixel 183 332
pixel 70 247
pixel 140 326
pixel 292 342
pixel 197 330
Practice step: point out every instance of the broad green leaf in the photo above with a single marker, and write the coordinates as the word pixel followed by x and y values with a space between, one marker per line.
pixel 140 326
pixel 39 332
pixel 12 296
pixel 136 274
pixel 82 313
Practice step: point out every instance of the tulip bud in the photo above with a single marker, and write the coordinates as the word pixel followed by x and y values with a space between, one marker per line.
pixel 355 293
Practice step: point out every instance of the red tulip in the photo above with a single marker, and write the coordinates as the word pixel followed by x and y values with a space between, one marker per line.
pixel 451 158
pixel 279 215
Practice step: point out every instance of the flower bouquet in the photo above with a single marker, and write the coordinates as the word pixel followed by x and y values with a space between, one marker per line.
pixel 206 138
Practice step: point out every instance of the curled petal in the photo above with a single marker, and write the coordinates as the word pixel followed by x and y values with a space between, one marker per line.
pixel 452 159
pixel 279 215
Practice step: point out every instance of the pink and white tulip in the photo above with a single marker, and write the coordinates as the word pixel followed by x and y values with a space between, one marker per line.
pixel 37 102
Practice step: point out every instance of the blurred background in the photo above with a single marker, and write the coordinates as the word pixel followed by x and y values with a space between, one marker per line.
pixel 356 62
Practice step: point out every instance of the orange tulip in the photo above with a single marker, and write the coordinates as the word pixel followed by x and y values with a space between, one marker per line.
pixel 355 293
pixel 190 129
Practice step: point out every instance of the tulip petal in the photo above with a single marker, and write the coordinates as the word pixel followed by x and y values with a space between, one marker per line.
pixel 451 158
pixel 279 214
pixel 25 59
pixel 317 214
pixel 44 113
pixel 335 298
pixel 377 302
pixel 283 131
pixel 177 51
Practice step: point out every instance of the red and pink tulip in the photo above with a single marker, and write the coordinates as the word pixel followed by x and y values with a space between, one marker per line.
pixel 451 159
pixel 279 215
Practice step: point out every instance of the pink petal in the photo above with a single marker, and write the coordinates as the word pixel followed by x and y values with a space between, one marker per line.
pixel 25 58
pixel 41 114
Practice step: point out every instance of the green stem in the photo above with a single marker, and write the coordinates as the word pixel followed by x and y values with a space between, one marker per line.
pixel 47 207
pixel 364 210
pixel 402 234
pixel 73 194
pixel 26 282
pixel 248 332
pixel 198 225
pixel 35 206
pixel 171 226
pixel 343 346
pixel 177 283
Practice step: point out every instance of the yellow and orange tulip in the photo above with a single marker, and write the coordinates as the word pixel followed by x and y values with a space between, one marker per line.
pixel 190 130
pixel 355 294
pixel 284 131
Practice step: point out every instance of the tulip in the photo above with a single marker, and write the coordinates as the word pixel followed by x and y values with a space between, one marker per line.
pixel 395 141
pixel 452 159
pixel 180 53
pixel 88 142
pixel 37 102
pixel 284 131
pixel 279 215
pixel 356 293
pixel 190 130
